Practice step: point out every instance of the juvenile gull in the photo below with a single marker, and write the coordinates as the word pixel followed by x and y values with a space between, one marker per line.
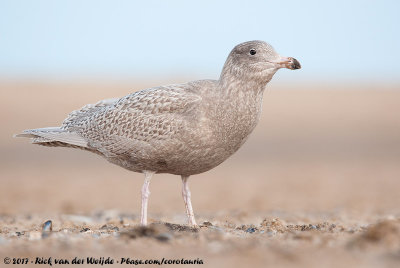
pixel 182 129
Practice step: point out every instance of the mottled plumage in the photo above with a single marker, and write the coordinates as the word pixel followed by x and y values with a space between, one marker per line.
pixel 182 129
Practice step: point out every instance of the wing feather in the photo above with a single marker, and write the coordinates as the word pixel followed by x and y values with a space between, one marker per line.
pixel 142 119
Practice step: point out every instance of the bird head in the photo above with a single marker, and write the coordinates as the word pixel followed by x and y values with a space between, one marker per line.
pixel 256 60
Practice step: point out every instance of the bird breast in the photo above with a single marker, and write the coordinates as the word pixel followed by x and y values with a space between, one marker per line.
pixel 235 117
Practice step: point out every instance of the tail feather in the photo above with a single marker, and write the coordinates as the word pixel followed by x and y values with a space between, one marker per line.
pixel 53 134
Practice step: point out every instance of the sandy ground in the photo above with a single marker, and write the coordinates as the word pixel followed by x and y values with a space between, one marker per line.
pixel 316 185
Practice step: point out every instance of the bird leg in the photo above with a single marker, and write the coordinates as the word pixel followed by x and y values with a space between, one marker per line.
pixel 145 196
pixel 188 203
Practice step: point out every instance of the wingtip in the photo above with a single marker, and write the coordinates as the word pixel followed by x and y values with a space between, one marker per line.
pixel 24 134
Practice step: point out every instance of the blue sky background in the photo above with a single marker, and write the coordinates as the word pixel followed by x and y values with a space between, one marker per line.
pixel 137 39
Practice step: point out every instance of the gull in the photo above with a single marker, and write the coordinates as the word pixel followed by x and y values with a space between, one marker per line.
pixel 182 129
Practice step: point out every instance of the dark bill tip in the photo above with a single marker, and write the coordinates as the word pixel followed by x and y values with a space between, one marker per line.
pixel 295 64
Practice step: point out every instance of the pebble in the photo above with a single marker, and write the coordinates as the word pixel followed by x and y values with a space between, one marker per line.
pixel 47 226
pixel 164 237
pixel 17 234
pixel 251 230
pixel 109 228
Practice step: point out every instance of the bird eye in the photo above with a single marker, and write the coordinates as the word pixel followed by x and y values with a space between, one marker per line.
pixel 253 51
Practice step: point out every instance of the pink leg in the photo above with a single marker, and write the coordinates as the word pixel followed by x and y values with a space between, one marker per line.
pixel 145 196
pixel 188 203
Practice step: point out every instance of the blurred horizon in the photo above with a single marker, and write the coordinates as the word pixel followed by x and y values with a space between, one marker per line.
pixel 65 40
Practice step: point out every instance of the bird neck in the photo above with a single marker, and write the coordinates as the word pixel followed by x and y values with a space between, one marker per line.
pixel 241 98
pixel 242 87
pixel 239 89
pixel 237 80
